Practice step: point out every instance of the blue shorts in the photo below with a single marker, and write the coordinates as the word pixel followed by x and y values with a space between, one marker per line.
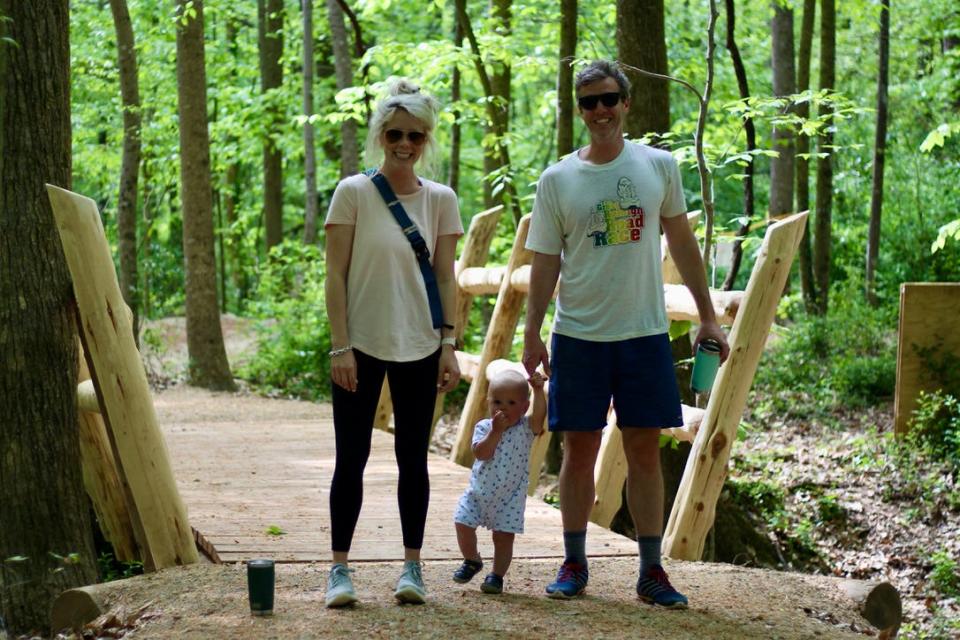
pixel 636 373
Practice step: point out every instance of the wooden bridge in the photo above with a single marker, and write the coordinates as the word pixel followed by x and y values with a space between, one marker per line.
pixel 246 464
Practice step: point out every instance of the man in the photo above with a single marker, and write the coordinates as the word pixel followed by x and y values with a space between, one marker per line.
pixel 595 226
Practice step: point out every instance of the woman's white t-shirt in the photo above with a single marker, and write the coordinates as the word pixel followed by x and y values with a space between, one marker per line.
pixel 388 314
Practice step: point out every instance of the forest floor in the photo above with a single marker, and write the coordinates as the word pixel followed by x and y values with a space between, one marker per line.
pixel 850 513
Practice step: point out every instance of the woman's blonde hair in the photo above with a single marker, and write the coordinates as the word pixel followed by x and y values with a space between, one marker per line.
pixel 404 95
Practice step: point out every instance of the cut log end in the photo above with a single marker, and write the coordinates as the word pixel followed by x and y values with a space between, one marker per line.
pixel 74 608
pixel 878 602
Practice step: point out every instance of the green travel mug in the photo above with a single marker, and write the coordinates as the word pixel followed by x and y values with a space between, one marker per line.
pixel 260 578
pixel 705 365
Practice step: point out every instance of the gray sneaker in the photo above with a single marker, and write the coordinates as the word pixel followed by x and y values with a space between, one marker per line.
pixel 340 591
pixel 410 589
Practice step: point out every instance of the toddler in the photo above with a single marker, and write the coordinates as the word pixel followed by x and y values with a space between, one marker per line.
pixel 497 494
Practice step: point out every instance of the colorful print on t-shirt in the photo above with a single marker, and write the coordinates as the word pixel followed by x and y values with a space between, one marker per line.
pixel 617 221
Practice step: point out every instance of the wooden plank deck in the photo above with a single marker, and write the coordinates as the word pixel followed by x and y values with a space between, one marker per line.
pixel 244 464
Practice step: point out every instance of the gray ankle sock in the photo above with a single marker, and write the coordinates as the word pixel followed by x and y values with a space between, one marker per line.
pixel 649 552
pixel 574 545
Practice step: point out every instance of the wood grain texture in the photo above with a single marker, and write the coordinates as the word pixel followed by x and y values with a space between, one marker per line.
pixel 924 308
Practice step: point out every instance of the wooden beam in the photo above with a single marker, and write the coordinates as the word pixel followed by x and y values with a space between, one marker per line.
pixel 121 383
pixel 695 505
pixel 101 478
pixel 669 268
pixel 923 308
pixel 609 474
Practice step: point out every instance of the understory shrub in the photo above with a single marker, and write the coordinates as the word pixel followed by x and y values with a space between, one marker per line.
pixel 293 336
pixel 845 359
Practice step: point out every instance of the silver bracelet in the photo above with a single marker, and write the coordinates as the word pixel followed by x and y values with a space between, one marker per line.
pixel 450 341
pixel 340 352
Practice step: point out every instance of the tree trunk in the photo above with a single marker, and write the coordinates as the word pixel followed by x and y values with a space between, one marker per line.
pixel 823 239
pixel 453 177
pixel 784 84
pixel 493 114
pixel 130 163
pixel 499 125
pixel 807 286
pixel 231 179
pixel 271 76
pixel 343 63
pixel 309 148
pixel 44 510
pixel 568 51
pixel 879 153
pixel 650 103
pixel 208 358
pixel 751 133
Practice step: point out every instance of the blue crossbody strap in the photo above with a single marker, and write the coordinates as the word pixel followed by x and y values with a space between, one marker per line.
pixel 419 245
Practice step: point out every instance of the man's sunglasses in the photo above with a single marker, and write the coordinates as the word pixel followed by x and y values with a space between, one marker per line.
pixel 589 103
pixel 394 136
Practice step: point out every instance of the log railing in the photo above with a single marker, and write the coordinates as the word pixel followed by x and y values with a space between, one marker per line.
pixel 711 430
pixel 125 425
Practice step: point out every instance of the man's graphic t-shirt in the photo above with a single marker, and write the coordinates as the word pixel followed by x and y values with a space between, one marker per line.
pixel 605 222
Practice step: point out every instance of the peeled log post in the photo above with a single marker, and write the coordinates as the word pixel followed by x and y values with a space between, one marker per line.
pixel 121 382
pixel 677 298
pixel 669 268
pixel 503 323
pixel 100 476
pixel 476 248
pixel 480 281
pixel 695 505
pixel 681 306
pixel 609 474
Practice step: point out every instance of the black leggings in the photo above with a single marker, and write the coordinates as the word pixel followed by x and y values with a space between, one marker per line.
pixel 413 389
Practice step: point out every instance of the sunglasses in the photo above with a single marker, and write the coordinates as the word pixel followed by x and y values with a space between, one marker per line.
pixel 394 136
pixel 589 103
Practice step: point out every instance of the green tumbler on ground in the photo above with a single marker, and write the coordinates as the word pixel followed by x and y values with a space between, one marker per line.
pixel 260 578
pixel 705 365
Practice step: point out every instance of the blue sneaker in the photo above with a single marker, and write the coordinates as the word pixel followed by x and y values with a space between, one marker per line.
pixel 410 589
pixel 655 588
pixel 340 591
pixel 571 581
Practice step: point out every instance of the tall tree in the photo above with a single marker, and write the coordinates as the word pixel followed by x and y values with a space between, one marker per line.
pixel 309 148
pixel 44 513
pixel 231 177
pixel 130 162
pixel 879 152
pixel 642 43
pixel 823 236
pixel 751 134
pixel 270 23
pixel 453 177
pixel 494 115
pixel 784 84
pixel 208 359
pixel 807 287
pixel 343 66
pixel 567 53
pixel 500 75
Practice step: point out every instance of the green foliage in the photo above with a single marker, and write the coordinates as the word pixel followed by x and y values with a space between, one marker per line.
pixel 847 358
pixel 110 569
pixel 274 530
pixel 293 337
pixel 944 577
pixel 935 427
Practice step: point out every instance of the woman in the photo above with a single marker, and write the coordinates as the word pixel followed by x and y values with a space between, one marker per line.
pixel 381 323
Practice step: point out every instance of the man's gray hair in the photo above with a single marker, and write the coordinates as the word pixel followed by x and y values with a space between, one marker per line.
pixel 599 70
